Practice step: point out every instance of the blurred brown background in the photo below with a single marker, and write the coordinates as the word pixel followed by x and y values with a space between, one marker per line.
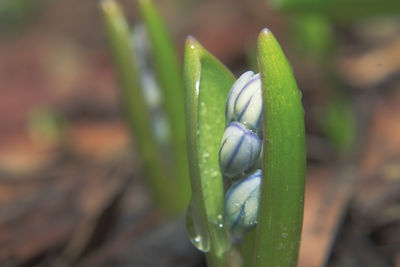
pixel 71 191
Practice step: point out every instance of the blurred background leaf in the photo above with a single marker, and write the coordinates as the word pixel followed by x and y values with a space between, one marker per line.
pixel 136 111
pixel 313 35
pixel 341 10
pixel 170 79
pixel 16 14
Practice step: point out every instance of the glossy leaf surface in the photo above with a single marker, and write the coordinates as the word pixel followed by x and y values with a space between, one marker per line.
pixel 282 191
pixel 207 84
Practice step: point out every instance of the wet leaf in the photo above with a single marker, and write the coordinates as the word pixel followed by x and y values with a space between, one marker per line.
pixel 207 84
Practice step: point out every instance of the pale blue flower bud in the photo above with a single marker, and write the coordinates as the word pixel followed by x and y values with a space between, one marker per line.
pixel 249 104
pixel 245 101
pixel 240 149
pixel 241 204
pixel 233 93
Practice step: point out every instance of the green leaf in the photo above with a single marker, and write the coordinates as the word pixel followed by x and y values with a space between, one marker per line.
pixel 284 160
pixel 135 109
pixel 169 77
pixel 338 123
pixel 340 10
pixel 313 36
pixel 207 84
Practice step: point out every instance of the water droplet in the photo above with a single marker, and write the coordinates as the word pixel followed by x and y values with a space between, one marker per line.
pixel 197 87
pixel 221 235
pixel 197 232
pixel 197 239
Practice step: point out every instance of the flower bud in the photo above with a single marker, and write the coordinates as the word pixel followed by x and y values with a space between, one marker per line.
pixel 233 93
pixel 249 104
pixel 241 204
pixel 245 101
pixel 240 149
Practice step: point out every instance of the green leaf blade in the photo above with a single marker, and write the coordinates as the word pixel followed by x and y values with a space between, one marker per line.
pixel 169 76
pixel 207 84
pixel 282 191
pixel 133 104
pixel 340 10
pixel 214 88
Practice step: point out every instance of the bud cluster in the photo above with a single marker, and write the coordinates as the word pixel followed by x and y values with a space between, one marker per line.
pixel 240 151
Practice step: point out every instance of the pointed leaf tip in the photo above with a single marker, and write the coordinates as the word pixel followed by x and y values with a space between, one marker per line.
pixel 192 42
pixel 265 31
pixel 191 39
pixel 109 6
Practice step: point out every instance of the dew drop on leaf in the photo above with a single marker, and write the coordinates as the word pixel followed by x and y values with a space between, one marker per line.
pixel 197 232
pixel 222 238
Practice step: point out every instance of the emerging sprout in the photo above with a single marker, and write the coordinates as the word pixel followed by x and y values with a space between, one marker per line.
pixel 245 101
pixel 241 204
pixel 240 149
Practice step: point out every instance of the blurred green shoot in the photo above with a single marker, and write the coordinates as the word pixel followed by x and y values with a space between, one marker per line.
pixel 15 14
pixel 170 78
pixel 313 32
pixel 314 38
pixel 340 10
pixel 168 182
pixel 338 123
